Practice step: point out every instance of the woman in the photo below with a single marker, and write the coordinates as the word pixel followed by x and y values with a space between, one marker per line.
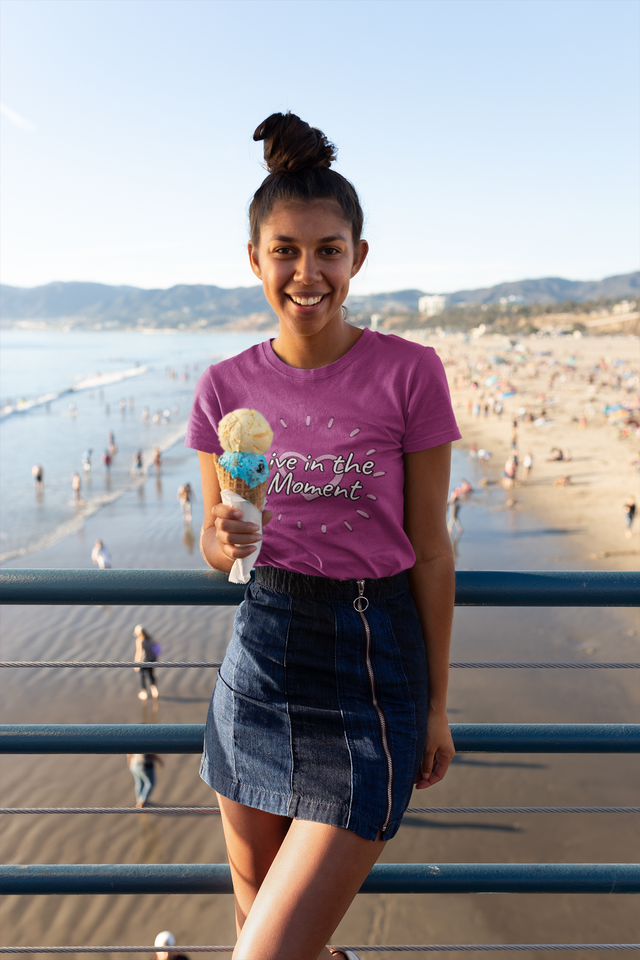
pixel 146 652
pixel 142 767
pixel 323 717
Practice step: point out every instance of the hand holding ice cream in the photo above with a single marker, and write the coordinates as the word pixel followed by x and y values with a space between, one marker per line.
pixel 243 472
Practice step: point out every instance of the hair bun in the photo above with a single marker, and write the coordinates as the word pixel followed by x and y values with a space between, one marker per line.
pixel 291 145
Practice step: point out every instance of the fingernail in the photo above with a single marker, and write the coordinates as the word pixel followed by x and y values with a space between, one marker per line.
pixel 255 527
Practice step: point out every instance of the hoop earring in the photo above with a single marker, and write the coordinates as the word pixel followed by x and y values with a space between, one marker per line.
pixel 345 312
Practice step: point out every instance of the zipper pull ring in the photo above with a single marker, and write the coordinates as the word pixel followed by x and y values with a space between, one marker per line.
pixel 360 603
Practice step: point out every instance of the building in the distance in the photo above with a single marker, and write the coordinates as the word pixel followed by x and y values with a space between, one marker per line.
pixel 432 304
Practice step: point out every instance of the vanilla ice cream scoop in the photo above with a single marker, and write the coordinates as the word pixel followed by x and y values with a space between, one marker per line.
pixel 245 431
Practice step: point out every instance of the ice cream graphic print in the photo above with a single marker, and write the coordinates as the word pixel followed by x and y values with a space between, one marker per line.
pixel 347 478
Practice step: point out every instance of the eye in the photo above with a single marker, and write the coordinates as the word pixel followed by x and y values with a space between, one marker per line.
pixel 284 251
pixel 330 251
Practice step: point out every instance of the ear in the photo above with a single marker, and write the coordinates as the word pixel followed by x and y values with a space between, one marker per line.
pixel 253 260
pixel 360 255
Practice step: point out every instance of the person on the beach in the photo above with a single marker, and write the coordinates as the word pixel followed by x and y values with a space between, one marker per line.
pixel 146 652
pixel 167 939
pixel 106 460
pixel 101 556
pixel 527 464
pixel 86 461
pixel 38 476
pixel 142 767
pixel 454 513
pixel 324 716
pixel 76 485
pixel 137 468
pixel 629 513
pixel 157 459
pixel 113 449
pixel 185 496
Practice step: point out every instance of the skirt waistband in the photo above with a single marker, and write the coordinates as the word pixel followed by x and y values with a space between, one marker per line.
pixel 304 586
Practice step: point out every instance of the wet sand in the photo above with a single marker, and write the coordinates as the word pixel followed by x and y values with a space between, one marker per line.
pixel 145 530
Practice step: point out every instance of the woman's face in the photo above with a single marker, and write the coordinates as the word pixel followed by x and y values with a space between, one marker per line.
pixel 305 259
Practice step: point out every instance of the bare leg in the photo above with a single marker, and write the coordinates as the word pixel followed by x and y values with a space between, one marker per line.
pixel 313 872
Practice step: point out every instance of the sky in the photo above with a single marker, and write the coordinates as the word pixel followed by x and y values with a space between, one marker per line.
pixel 490 140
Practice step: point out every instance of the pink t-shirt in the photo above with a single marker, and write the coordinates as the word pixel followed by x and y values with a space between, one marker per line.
pixel 336 469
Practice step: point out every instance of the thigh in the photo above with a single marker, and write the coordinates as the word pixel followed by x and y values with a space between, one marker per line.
pixel 253 838
pixel 312 881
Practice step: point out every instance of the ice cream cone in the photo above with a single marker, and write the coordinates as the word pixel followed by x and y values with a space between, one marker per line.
pixel 255 495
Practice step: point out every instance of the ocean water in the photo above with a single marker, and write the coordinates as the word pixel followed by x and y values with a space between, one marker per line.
pixel 62 394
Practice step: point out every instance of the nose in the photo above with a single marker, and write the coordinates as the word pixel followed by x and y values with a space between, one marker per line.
pixel 307 269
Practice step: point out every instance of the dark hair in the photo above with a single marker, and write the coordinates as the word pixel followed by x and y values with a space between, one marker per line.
pixel 298 158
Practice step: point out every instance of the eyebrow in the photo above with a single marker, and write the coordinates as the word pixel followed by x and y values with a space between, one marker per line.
pixel 283 239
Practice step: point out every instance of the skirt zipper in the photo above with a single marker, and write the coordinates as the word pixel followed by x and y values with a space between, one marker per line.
pixel 361 604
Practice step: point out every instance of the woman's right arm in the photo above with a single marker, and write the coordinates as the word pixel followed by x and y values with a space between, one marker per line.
pixel 225 537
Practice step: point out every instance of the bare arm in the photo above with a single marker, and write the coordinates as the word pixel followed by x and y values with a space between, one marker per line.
pixel 432 582
pixel 224 536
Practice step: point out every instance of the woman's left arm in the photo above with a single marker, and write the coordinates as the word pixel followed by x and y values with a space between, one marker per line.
pixel 432 583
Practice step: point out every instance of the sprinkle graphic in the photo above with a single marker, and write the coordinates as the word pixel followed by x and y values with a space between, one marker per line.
pixel 279 516
pixel 363 514
pixel 348 526
pixel 330 424
pixel 308 421
pixel 371 496
pixel 355 432
pixel 299 525
pixel 323 527
pixel 380 473
pixel 369 452
pixel 283 423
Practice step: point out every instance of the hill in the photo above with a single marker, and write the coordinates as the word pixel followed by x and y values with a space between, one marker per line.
pixel 201 306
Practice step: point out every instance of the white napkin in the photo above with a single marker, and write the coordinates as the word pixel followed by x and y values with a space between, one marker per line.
pixel 241 569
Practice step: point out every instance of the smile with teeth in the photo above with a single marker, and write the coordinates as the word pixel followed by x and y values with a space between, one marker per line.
pixel 306 301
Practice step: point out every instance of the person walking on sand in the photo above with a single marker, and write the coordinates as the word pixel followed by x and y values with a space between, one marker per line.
pixel 38 476
pixel 101 556
pixel 527 464
pixel 106 460
pixel 147 651
pixel 185 496
pixel 354 588
pixel 167 939
pixel 76 486
pixel 142 767
pixel 454 513
pixel 629 513
pixel 157 459
pixel 137 470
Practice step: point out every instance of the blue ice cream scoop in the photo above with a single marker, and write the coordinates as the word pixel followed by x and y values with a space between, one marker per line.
pixel 252 468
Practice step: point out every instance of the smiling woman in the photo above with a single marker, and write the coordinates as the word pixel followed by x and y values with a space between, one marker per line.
pixel 330 703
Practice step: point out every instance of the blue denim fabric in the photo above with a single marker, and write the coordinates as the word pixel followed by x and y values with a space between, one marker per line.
pixel 144 780
pixel 292 728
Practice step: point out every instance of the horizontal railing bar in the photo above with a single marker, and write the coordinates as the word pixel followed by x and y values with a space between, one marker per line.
pixel 360 947
pixel 216 810
pixel 506 665
pixel 181 878
pixel 510 588
pixel 188 738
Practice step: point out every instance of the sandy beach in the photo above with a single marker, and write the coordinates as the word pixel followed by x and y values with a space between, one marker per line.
pixel 546 527
pixel 565 394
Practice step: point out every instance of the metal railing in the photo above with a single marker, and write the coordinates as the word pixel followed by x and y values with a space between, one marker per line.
pixel 206 587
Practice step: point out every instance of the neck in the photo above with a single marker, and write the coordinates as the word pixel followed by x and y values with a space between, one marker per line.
pixel 316 350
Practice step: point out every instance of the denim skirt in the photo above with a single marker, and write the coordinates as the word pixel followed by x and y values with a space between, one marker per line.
pixel 320 707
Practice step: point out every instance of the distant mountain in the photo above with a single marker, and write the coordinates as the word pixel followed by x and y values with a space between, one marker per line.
pixel 129 305
pixel 193 305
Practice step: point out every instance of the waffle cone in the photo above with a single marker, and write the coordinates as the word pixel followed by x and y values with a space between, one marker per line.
pixel 255 495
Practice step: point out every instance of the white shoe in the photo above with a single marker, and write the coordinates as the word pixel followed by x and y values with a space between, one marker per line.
pixel 142 695
pixel 154 691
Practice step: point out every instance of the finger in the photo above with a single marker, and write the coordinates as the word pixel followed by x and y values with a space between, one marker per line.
pixel 243 527
pixel 237 539
pixel 266 516
pixel 224 512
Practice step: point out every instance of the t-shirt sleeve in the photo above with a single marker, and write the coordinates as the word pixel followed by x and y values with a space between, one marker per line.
pixel 202 431
pixel 430 418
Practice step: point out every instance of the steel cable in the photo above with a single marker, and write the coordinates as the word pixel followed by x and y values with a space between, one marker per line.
pixel 215 664
pixel 362 947
pixel 216 810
